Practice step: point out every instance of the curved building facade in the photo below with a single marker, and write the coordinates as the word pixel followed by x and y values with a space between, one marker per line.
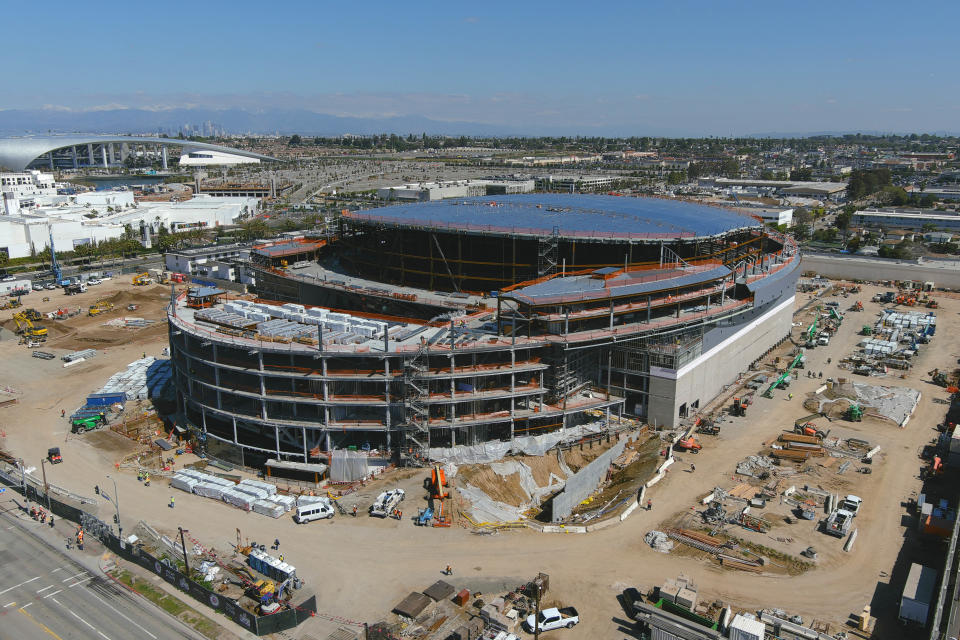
pixel 619 306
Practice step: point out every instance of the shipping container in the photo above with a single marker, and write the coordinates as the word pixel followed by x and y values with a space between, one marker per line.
pixel 918 594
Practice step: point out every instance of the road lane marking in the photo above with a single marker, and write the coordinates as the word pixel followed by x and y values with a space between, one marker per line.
pixel 57 569
pixel 121 614
pixel 79 582
pixel 19 585
pixel 80 619
pixel 26 605
pixel 44 589
pixel 50 595
pixel 37 622
pixel 9 605
pixel 82 573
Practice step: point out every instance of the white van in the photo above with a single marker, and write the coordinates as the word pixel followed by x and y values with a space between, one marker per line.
pixel 314 511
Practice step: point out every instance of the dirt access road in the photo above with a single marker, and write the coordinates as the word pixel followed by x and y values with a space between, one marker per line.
pixel 361 567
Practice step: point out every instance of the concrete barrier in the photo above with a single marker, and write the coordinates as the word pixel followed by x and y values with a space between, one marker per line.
pixel 626 513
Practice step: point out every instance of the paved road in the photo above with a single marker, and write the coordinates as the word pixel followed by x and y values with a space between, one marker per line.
pixel 46 594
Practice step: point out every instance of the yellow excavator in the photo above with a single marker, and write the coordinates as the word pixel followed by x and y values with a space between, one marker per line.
pixel 142 279
pixel 29 333
pixel 100 306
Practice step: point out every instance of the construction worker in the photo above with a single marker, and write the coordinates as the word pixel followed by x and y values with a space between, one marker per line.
pixel 649 505
pixel 80 539
pixel 448 571
pixel 821 374
pixel 693 467
pixel 354 511
pixel 171 502
pixel 789 396
pixel 63 413
pixel 51 521
pixel 281 557
pixel 276 543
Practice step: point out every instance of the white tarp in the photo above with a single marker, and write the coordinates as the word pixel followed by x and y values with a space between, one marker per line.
pixel 526 445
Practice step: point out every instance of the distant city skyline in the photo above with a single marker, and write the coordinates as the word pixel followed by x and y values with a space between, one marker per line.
pixel 678 69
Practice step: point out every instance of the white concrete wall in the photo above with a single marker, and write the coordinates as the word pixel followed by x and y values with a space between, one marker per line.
pixel 945 273
pixel 705 377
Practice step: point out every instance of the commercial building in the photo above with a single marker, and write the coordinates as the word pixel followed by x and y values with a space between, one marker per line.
pixel 574 183
pixel 601 305
pixel 428 191
pixel 832 191
pixel 193 261
pixel 74 223
pixel 911 219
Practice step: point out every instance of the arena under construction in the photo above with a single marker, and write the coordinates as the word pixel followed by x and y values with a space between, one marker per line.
pixel 464 321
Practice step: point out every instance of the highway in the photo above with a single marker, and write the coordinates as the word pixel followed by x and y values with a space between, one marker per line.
pixel 45 594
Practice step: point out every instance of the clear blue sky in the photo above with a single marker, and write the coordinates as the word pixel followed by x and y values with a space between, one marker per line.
pixel 669 67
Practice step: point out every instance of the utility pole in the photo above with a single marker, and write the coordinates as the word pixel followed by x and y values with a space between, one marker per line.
pixel 183 546
pixel 116 504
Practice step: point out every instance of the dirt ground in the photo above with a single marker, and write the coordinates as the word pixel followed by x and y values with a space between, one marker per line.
pixel 361 567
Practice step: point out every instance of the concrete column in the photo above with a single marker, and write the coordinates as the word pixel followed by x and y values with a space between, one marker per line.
pixel 103 154
pixel 124 152
pixel 276 437
pixel 163 157
pixel 73 156
pixel 305 452
pixel 234 420
pixel 611 314
pixel 90 159
pixel 50 155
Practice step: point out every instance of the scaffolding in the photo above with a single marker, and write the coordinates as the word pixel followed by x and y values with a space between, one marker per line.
pixel 416 399
pixel 547 253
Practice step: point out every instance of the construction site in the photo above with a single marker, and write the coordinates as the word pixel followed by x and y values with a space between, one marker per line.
pixel 498 469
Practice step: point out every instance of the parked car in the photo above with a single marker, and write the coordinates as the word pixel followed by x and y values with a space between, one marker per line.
pixel 94 281
pixel 37 287
pixel 51 286
pixel 8 278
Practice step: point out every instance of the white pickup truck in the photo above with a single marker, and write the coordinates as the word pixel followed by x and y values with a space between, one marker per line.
pixel 554 618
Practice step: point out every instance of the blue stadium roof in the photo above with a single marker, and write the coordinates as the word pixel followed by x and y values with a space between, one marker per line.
pixel 574 215
pixel 637 283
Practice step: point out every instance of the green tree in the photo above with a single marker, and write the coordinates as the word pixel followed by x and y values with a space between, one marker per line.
pixel 895 196
pixel 253 229
pixel 675 177
pixel 295 140
pixel 801 173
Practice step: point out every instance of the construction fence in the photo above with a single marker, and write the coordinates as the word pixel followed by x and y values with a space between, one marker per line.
pixel 580 485
pixel 258 625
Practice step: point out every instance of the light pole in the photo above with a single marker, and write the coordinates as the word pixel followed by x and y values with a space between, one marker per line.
pixel 116 503
pixel 23 482
pixel 46 487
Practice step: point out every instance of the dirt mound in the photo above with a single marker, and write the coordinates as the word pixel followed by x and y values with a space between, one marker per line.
pixel 140 295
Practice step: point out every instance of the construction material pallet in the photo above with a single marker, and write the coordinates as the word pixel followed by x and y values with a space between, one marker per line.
pixel 43 355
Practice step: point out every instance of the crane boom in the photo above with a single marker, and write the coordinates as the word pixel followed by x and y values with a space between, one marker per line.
pixel 54 265
pixel 786 374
